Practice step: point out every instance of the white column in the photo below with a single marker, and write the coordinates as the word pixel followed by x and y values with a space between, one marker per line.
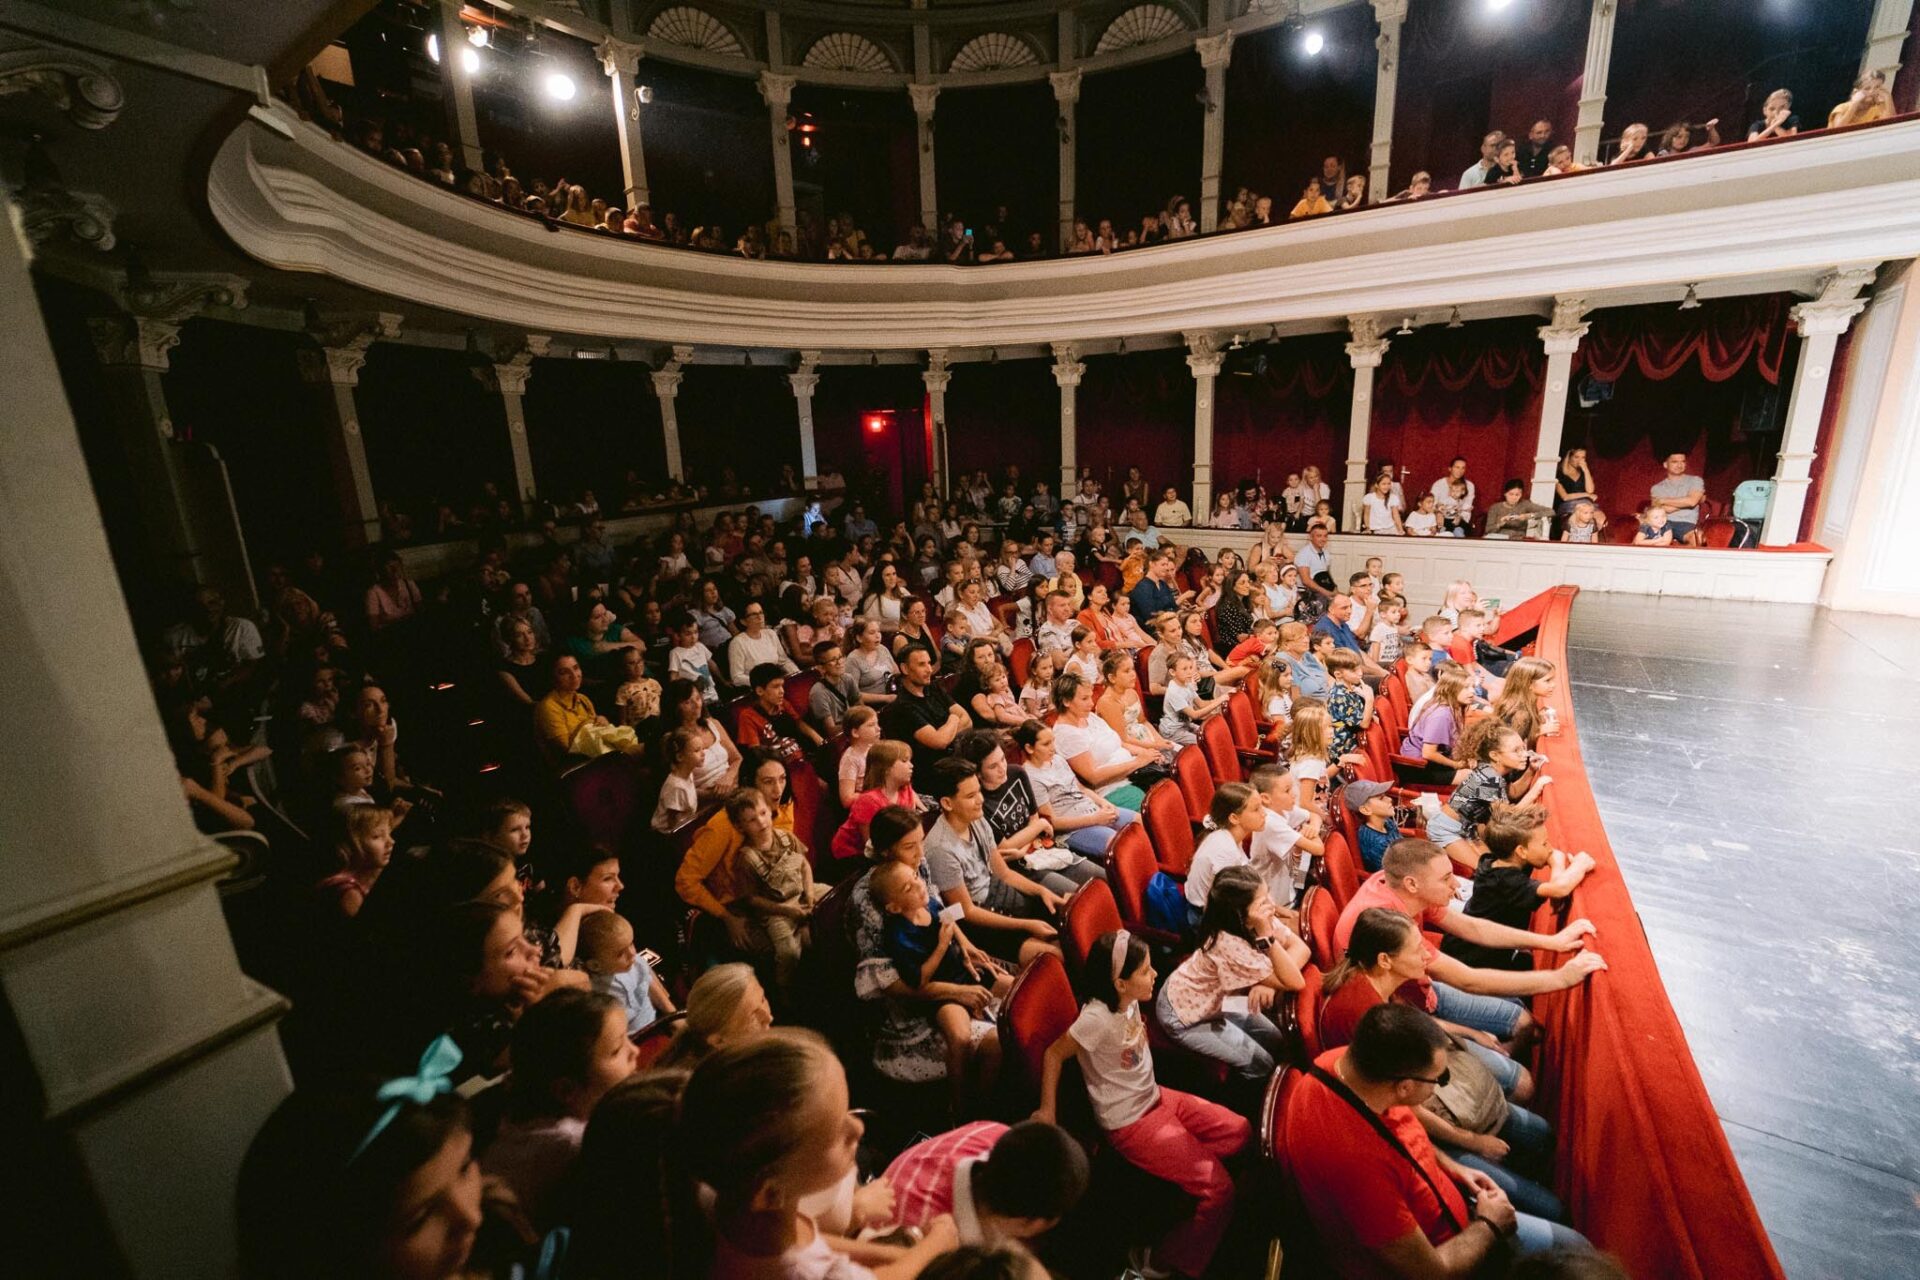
pixel 1593 82
pixel 509 382
pixel 463 124
pixel 803 381
pixel 1066 92
pixel 777 91
pixel 666 388
pixel 335 371
pixel 1562 339
pixel 1365 353
pixel 1067 372
pixel 134 352
pixel 1391 15
pixel 1204 360
pixel 923 96
pixel 621 58
pixel 1887 37
pixel 1215 52
pixel 141 1059
pixel 1820 322
pixel 937 376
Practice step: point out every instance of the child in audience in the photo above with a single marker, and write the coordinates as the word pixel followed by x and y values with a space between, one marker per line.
pixel 616 968
pixel 679 797
pixel 1183 708
pixel 889 781
pixel 1036 696
pixel 1242 950
pixel 568 1050
pixel 1457 519
pixel 691 660
pixel 1349 701
pixel 1504 888
pixel 1168 1134
pixel 1417 669
pixel 1653 530
pixel 1423 521
pixel 638 697
pixel 1372 804
pixel 1258 645
pixel 1005 709
pixel 776 885
pixel 1313 761
pixel 1376 573
pixel 1237 812
pixel 953 645
pixel 1122 707
pixel 862 727
pixel 1273 688
pixel 1439 724
pixel 1471 650
pixel 365 847
pixel 1323 518
pixel 926 948
pixel 1085 659
pixel 1583 524
pixel 1127 631
pixel 1385 643
pixel 1287 838
pixel 1392 584
pixel 1503 772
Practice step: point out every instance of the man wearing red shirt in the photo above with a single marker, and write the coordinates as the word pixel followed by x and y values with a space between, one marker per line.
pixel 1384 1202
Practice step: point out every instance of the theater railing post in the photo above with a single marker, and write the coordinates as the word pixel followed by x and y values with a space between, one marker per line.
pixel 937 376
pixel 1820 322
pixel 1204 359
pixel 804 380
pixel 1215 52
pixel 621 58
pixel 1365 353
pixel 508 380
pixel 1593 83
pixel 1391 15
pixel 1067 372
pixel 1561 339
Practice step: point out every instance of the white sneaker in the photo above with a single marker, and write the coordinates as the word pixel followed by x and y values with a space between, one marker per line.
pixel 1140 1264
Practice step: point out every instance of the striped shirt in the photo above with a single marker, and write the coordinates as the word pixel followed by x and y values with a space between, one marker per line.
pixel 922 1175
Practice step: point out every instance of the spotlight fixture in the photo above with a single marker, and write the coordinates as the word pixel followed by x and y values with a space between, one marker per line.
pixel 644 93
pixel 1498 5
pixel 433 47
pixel 479 37
pixel 561 86
pixel 1454 321
pixel 1312 43
pixel 1406 326
pixel 470 60
pixel 1692 301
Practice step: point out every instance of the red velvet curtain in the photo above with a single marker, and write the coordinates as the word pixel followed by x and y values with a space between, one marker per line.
pixel 1290 414
pixel 1137 411
pixel 1720 335
pixel 1472 392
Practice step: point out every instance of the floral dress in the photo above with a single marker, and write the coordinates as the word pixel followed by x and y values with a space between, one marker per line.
pixel 907 1047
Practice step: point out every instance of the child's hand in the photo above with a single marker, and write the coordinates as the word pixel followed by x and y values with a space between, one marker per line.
pixel 1259 999
pixel 873 1203
pixel 1583 862
pixel 1041 930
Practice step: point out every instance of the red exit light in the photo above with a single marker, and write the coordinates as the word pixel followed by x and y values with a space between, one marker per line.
pixel 876 423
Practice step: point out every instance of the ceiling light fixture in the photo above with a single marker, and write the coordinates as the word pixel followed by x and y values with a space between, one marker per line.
pixel 1692 301
pixel 561 86
pixel 470 60
pixel 479 37
pixel 1312 43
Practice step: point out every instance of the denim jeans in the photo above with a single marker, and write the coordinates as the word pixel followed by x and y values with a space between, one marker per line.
pixel 1537 1235
pixel 1527 1167
pixel 1249 1043
pixel 1506 1070
pixel 1496 1015
pixel 1092 842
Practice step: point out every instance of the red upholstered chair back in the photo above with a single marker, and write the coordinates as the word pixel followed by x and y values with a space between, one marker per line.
pixel 653 1040
pixel 1165 817
pixel 1378 753
pixel 799 691
pixel 1037 1012
pixel 813 816
pixel 1130 864
pixel 1620 529
pixel 604 795
pixel 1090 912
pixel 1019 661
pixel 1343 870
pixel 1345 821
pixel 1717 532
pixel 1395 703
pixel 1306 1010
pixel 1195 780
pixel 1006 610
pixel 1107 574
pixel 1140 668
pixel 1223 757
pixel 1321 914
pixel 1273 1107
pixel 1242 719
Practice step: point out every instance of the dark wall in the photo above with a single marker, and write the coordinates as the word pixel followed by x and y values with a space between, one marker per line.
pixel 1005 413
pixel 432 429
pixel 709 157
pixel 891 461
pixel 1290 414
pixel 862 156
pixel 995 147
pixel 1138 140
pixel 589 422
pixel 540 136
pixel 1286 110
pixel 1136 410
pixel 738 417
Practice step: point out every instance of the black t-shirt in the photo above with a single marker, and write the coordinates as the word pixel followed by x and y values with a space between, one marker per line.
pixel 1504 895
pixel 1760 126
pixel 536 677
pixel 1533 163
pixel 911 713
pixel 1012 806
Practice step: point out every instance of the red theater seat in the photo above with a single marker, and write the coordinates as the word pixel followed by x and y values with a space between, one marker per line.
pixel 1019 660
pixel 1037 1012
pixel 1223 756
pixel 1130 865
pixel 1343 874
pixel 1165 817
pixel 1195 780
pixel 1321 916
pixel 1090 912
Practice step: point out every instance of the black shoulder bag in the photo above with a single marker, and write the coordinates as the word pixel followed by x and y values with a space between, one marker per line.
pixel 1348 1096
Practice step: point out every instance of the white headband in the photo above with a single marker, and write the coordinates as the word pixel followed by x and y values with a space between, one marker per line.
pixel 1120 941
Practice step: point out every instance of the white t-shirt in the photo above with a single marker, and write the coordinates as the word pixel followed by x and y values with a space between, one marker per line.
pixel 1376 513
pixel 745 653
pixel 1179 698
pixel 1097 737
pixel 1217 852
pixel 1308 768
pixel 1056 787
pixel 1115 1062
pixel 1421 524
pixel 1443 499
pixel 1270 853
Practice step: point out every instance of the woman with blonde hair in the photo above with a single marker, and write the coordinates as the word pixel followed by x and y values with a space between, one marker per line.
pixel 726 1006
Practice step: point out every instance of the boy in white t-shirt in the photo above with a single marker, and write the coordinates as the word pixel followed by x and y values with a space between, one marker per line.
pixel 1183 708
pixel 1280 849
pixel 691 660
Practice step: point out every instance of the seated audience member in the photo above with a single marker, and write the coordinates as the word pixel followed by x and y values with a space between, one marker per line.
pixel 1678 139
pixel 1419 187
pixel 1372 805
pixel 1440 724
pixel 720 759
pixel 1354 194
pixel 1777 119
pixel 223 653
pixel 1373 1217
pixel 1235 814
pixel 1054 633
pixel 922 715
pixel 637 698
pixel 755 644
pixel 561 719
pixel 1215 1002
pixel 888 782
pixel 1500 769
pixel 1168 1134
pixel 617 969
pixel 1172 513
pixel 1535 154
pixel 1155 593
pixel 1869 101
pixel 1424 520
pixel 768 721
pixel 1349 702
pixel 1680 495
pixel 928 948
pixel 1086 820
pixel 1018 822
pixel 777 891
pixel 1378 511
pixel 1310 677
pixel 568 1051
pixel 870 662
pixel 1560 160
pixel 1416 879
pixel 1002 1185
pixel 835 692
pixel 1516 515
pixel 1481 171
pixel 1584 523
pixel 1655 530
pixel 1183 709
pixel 1506 166
pixel 1311 203
pixel 970 868
pixel 1504 888
pixel 726 1008
pixel 1036 695
pixel 690 658
pixel 1121 706
pixel 1286 839
pixel 1096 752
pixel 709 875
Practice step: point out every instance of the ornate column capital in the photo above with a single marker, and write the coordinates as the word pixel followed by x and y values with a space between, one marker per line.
pixel 1390 12
pixel 666 383
pixel 1562 336
pixel 139 342
pixel 82 87
pixel 776 90
pixel 804 382
pixel 1836 306
pixel 924 96
pixel 177 295
pixel 334 366
pixel 682 355
pixel 1214 51
pixel 936 375
pixel 1067 367
pixel 1066 86
pixel 1368 348
pixel 506 379
pixel 1203 357
pixel 620 57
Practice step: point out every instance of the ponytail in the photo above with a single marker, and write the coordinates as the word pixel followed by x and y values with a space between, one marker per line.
pixel 1377 932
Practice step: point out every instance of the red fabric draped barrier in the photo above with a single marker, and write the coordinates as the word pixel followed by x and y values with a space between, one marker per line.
pixel 1292 414
pixel 1472 392
pixel 1720 336
pixel 1644 1164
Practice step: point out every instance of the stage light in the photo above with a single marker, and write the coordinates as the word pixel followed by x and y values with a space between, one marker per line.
pixel 561 86
pixel 470 60
pixel 433 46
pixel 1313 43
pixel 478 37
pixel 1498 5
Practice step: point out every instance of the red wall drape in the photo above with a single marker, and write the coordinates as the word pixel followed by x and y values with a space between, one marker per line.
pixel 1472 392
pixel 1291 415
pixel 1136 410
pixel 1719 336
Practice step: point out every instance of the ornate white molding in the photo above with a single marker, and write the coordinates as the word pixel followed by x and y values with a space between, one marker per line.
pixel 179 295
pixel 83 88
pixel 666 383
pixel 1562 336
pixel 923 96
pixel 1390 12
pixel 1066 86
pixel 1832 312
pixel 1215 51
pixel 1068 369
pixel 620 57
pixel 335 366
pixel 48 212
pixel 1368 347
pixel 136 341
pixel 936 375
pixel 1204 357
pixel 776 90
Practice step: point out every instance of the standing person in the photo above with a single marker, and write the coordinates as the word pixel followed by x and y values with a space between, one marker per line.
pixel 1680 495
pixel 1166 1133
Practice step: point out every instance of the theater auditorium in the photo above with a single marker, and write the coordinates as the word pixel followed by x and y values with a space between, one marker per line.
pixel 960 639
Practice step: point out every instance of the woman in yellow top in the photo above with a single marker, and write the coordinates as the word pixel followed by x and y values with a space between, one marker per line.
pixel 561 714
pixel 1312 203
pixel 1869 101
pixel 707 879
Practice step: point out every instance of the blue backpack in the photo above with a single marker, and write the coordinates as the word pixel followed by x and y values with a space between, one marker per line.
pixel 1165 903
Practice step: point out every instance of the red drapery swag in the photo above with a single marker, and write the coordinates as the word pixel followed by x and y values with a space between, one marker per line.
pixel 1491 355
pixel 1721 336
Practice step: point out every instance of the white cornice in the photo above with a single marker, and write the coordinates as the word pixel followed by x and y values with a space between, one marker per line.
pixel 313 204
